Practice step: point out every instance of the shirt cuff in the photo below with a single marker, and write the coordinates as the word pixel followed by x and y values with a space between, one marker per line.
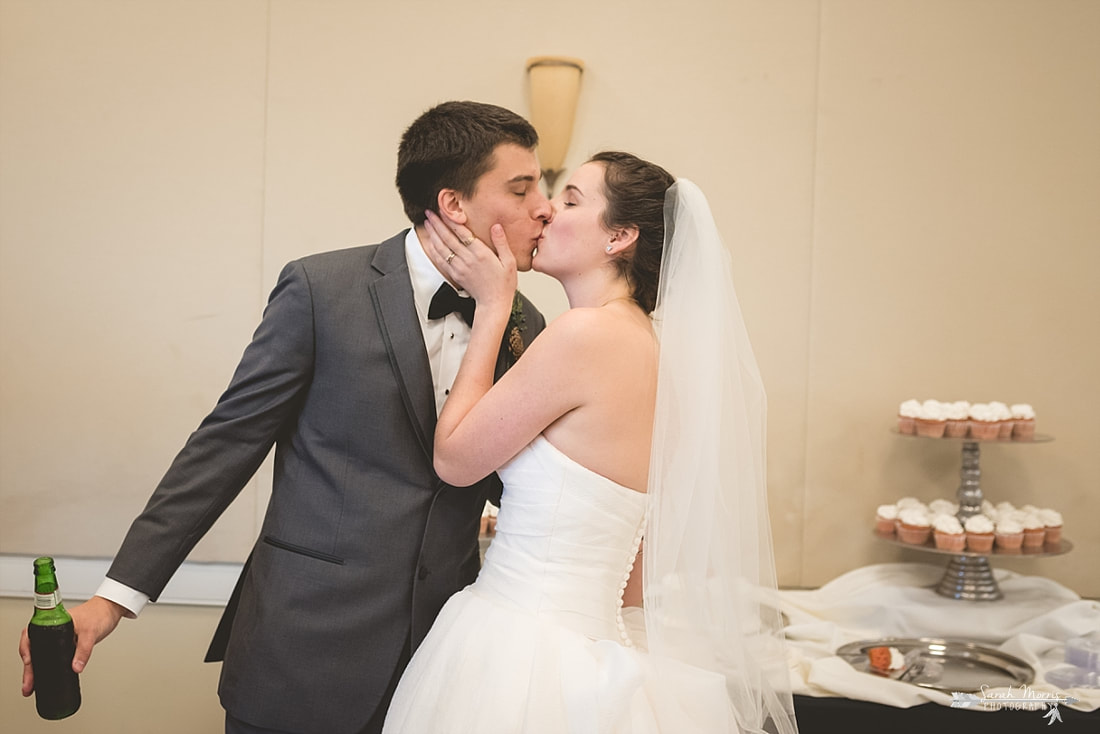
pixel 130 599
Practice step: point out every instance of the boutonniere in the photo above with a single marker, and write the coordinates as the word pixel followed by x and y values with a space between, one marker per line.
pixel 517 324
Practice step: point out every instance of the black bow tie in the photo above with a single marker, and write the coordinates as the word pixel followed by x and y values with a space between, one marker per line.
pixel 446 300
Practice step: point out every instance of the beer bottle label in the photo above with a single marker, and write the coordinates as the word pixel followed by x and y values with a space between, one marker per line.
pixel 47 601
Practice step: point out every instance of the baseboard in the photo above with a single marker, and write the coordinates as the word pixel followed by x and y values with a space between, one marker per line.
pixel 195 584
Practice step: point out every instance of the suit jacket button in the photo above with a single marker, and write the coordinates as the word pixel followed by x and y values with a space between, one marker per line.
pixel 423 573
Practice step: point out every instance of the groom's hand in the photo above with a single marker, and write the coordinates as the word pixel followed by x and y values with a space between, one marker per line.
pixel 92 621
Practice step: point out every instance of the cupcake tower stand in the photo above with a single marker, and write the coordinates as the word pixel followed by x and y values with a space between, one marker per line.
pixel 968 574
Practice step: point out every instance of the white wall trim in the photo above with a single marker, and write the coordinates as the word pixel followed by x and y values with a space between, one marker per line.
pixel 195 584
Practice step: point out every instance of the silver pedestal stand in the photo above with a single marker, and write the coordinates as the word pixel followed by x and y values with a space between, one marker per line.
pixel 969 577
pixel 968 574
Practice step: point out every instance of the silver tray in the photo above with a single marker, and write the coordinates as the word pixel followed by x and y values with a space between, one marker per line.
pixel 1062 547
pixel 1038 438
pixel 945 665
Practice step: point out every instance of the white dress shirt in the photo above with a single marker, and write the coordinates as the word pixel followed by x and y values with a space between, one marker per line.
pixel 445 341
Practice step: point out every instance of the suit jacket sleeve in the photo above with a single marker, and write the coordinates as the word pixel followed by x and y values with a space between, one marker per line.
pixel 224 452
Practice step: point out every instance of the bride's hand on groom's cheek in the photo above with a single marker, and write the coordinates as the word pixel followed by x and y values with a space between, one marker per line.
pixel 488 273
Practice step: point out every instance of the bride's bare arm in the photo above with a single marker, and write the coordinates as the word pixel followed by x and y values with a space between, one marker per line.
pixel 490 278
pixel 483 425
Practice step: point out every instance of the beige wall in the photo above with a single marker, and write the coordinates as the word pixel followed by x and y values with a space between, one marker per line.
pixel 905 186
pixel 149 678
pixel 909 190
pixel 955 246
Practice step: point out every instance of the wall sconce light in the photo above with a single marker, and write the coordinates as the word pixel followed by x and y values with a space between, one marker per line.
pixel 555 86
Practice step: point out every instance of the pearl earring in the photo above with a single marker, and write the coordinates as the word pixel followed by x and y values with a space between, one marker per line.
pixel 609 248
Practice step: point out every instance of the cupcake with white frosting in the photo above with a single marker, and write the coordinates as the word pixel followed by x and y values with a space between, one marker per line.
pixel 1052 519
pixel 912 503
pixel 948 533
pixel 907 417
pixel 1024 427
pixel 1004 419
pixel 932 419
pixel 1035 530
pixel 943 507
pixel 886 517
pixel 913 526
pixel 958 419
pixel 984 423
pixel 979 534
pixel 1009 533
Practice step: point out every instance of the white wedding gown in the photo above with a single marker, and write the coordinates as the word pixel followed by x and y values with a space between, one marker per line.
pixel 539 642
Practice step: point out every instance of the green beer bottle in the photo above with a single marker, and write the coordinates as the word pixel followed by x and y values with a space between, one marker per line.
pixel 53 644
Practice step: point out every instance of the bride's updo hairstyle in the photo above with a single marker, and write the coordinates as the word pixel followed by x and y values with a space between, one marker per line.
pixel 635 192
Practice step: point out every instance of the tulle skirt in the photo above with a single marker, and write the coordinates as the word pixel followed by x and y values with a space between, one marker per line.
pixel 488 667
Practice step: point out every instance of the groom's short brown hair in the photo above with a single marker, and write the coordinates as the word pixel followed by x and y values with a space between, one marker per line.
pixel 449 147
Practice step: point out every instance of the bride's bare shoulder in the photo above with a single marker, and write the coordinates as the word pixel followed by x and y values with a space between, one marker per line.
pixel 599 323
pixel 593 333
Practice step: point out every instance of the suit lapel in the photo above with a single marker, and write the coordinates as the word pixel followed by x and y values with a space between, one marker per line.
pixel 392 296
pixel 503 358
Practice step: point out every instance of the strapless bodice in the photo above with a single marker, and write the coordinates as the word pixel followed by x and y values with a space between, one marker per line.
pixel 537 645
pixel 565 542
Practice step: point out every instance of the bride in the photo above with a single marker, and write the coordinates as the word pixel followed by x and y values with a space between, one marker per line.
pixel 634 420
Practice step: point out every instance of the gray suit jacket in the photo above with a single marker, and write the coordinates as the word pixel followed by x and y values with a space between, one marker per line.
pixel 362 543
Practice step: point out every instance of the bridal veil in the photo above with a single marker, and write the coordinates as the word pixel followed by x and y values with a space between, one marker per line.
pixel 708 565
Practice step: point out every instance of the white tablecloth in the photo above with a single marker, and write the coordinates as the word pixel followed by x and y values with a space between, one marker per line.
pixel 1032 622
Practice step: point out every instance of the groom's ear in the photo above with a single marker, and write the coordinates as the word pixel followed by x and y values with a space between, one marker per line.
pixel 450 206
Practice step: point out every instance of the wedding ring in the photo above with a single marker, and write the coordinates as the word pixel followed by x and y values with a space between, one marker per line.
pixel 450 257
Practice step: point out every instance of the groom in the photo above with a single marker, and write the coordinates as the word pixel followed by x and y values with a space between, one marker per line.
pixel 362 543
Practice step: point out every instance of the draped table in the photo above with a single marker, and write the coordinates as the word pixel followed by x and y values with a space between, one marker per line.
pixel 1032 622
